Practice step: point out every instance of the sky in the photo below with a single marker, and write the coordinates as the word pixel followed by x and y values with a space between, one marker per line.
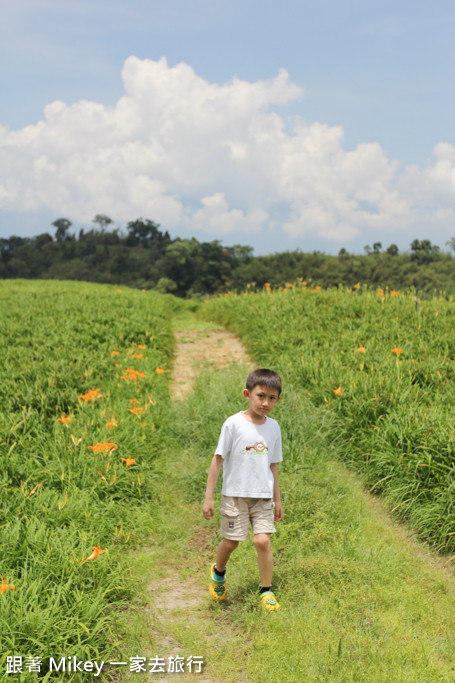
pixel 304 124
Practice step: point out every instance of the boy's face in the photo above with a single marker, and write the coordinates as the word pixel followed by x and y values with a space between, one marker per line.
pixel 262 400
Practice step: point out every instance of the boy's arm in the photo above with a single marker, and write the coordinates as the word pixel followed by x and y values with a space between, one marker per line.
pixel 276 493
pixel 209 506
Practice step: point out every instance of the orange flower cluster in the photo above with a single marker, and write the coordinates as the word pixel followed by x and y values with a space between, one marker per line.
pixel 396 351
pixel 132 375
pixel 4 585
pixel 159 371
pixel 139 356
pixel 338 392
pixel 361 349
pixel 91 395
pixel 64 419
pixel 104 446
pixel 136 411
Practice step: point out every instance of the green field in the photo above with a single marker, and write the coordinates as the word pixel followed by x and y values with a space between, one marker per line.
pixel 84 392
pixel 80 399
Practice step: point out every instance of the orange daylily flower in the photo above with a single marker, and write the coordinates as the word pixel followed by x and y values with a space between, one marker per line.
pixel 119 291
pixel 112 423
pixel 136 410
pixel 396 351
pixel 4 585
pixel 138 355
pixel 361 349
pixel 64 419
pixel 115 353
pixel 141 346
pixel 96 553
pixel 159 371
pixel 104 446
pixel 91 395
pixel 356 286
pixel 394 293
pixel 338 392
pixel 129 461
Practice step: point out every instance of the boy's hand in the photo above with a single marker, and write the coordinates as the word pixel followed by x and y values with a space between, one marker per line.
pixel 278 515
pixel 208 508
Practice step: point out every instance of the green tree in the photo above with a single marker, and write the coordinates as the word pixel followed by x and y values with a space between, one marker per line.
pixel 62 225
pixel 102 221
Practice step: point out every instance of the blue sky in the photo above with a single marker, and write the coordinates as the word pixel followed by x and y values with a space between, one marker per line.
pixel 309 125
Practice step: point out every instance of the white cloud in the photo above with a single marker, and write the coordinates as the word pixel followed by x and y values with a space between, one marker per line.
pixel 195 155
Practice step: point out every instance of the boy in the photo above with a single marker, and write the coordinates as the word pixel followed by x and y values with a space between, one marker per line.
pixel 249 449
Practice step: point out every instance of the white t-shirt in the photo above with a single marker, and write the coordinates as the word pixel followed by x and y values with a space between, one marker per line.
pixel 248 450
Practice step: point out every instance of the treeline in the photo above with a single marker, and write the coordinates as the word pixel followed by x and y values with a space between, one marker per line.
pixel 146 257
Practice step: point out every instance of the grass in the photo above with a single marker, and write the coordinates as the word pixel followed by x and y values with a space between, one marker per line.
pixel 61 495
pixel 361 599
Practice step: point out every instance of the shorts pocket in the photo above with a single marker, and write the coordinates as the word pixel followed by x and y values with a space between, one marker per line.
pixel 268 504
pixel 228 509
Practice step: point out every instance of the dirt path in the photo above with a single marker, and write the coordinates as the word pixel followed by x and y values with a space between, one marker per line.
pixel 198 347
pixel 171 600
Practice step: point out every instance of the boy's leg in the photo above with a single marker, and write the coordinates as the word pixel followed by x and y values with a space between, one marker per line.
pixel 265 558
pixel 223 553
pixel 265 564
pixel 217 570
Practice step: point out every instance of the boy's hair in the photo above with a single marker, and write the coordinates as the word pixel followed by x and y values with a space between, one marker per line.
pixel 264 377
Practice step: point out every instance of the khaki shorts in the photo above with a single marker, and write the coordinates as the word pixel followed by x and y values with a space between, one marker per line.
pixel 237 513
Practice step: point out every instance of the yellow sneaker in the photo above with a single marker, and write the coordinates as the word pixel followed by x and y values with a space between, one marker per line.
pixel 269 602
pixel 217 588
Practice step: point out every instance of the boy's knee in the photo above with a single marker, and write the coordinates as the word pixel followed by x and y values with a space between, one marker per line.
pixel 262 542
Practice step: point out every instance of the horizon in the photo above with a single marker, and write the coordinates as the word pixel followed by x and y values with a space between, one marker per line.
pixel 123 233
